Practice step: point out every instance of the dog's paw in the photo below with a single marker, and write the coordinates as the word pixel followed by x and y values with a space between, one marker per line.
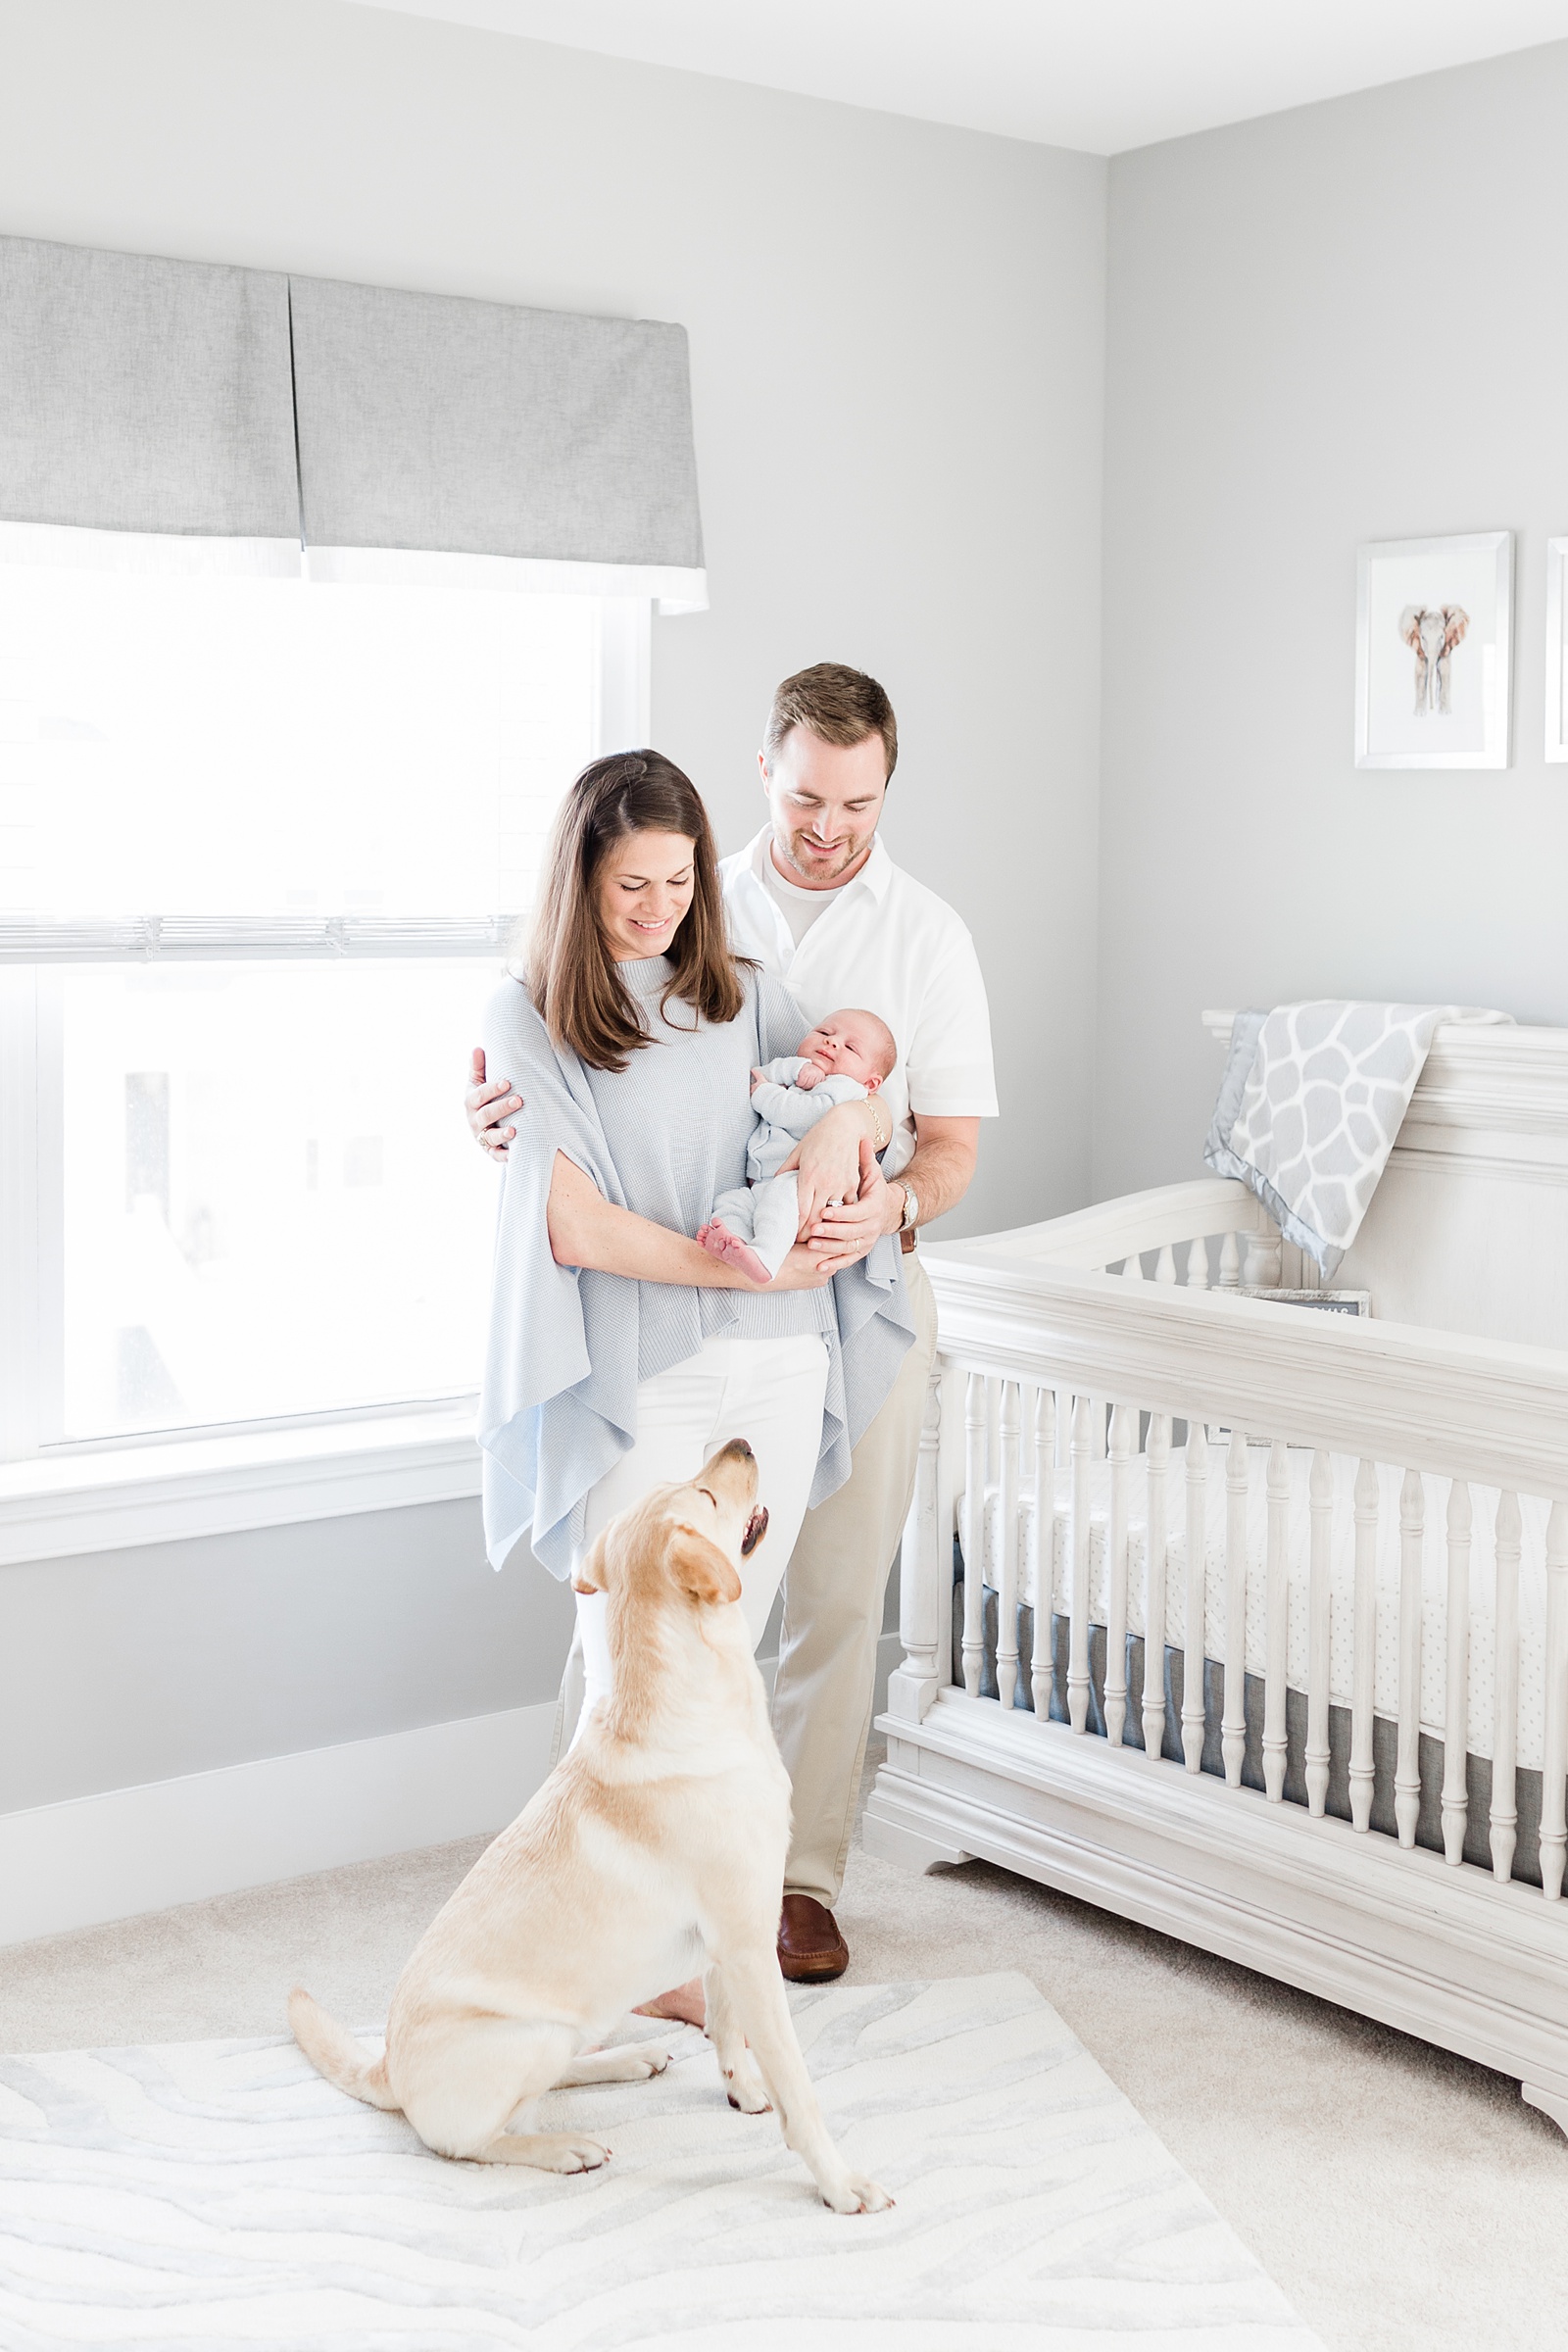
pixel 856 2194
pixel 743 2088
pixel 653 2058
pixel 573 2155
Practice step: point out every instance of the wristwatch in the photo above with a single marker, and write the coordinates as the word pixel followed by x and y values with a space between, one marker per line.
pixel 911 1208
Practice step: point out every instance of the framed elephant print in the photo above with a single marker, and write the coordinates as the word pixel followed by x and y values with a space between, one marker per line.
pixel 1434 651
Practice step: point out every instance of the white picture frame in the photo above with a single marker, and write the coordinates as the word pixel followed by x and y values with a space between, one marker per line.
pixel 1434 651
pixel 1556 665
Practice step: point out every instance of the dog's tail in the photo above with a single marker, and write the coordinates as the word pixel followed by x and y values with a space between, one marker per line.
pixel 337 2054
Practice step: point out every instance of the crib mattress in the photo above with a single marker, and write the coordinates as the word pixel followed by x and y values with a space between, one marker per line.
pixel 1385 1675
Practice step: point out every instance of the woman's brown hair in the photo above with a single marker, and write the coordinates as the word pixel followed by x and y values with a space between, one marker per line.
pixel 572 976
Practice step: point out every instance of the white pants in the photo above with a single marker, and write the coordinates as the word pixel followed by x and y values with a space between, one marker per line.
pixel 768 1391
pixel 767 1214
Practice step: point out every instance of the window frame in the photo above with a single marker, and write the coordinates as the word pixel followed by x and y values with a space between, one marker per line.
pixel 60 1496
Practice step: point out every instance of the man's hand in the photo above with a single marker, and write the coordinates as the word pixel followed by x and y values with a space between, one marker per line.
pixel 842 1236
pixel 488 1102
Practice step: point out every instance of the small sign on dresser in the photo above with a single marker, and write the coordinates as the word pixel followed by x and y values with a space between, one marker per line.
pixel 1332 1302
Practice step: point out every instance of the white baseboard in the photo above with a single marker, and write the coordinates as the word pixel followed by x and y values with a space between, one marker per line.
pixel 96 1858
pixel 130 1850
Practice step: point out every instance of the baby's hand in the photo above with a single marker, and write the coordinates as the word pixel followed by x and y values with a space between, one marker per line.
pixel 809 1076
pixel 758 1078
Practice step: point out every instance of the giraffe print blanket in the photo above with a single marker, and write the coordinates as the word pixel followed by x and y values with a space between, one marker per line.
pixel 1310 1104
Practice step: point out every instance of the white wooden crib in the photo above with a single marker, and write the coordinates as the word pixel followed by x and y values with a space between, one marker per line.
pixel 1354 1535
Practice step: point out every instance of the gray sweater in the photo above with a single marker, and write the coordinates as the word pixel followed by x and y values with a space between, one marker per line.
pixel 567 1347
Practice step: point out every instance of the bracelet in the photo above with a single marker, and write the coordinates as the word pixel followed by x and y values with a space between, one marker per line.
pixel 879 1141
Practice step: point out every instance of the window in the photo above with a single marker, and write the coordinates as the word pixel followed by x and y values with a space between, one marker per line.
pixel 260 841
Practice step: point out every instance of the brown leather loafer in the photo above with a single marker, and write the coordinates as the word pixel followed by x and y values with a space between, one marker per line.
pixel 810 1948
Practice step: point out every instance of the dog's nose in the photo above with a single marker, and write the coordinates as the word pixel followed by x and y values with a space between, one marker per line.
pixel 740 1446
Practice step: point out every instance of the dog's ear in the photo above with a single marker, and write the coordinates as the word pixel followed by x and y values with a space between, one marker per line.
pixel 589 1574
pixel 701 1567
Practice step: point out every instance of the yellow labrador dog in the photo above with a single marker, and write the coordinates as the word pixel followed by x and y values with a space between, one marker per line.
pixel 660 1837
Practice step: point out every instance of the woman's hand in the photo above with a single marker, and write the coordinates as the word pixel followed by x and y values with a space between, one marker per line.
pixel 829 1160
pixel 798 1272
pixel 488 1102
pixel 842 1236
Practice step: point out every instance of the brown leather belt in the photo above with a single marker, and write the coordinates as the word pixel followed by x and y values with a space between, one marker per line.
pixel 906 1241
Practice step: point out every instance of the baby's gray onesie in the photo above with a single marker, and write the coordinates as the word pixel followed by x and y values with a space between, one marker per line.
pixel 764 1211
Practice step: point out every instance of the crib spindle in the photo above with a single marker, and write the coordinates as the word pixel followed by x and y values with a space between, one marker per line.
pixel 1275 1744
pixel 1198 1265
pixel 1408 1767
pixel 1230 1262
pixel 1320 1499
pixel 1123 1434
pixel 1456 1712
pixel 974 1524
pixel 1044 1491
pixel 925 1579
pixel 1165 1265
pixel 1156 1459
pixel 1260 1269
pixel 1365 1645
pixel 1078 1591
pixel 1233 1728
pixel 1133 1270
pixel 1504 1826
pixel 1028 1485
pixel 1008 1563
pixel 1555 1760
pixel 1197 1557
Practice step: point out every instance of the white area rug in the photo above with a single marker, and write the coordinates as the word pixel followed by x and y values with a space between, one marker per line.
pixel 219 2193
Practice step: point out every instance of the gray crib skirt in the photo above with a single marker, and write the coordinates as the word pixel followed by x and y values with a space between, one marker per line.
pixel 1385 1734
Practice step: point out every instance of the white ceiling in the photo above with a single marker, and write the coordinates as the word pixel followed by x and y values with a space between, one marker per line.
pixel 1102 75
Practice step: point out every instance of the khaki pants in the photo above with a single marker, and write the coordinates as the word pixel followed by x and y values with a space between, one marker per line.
pixel 834 1589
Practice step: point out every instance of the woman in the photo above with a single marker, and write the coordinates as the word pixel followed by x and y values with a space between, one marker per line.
pixel 621 1355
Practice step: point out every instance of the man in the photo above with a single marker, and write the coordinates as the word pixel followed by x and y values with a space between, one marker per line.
pixel 816 899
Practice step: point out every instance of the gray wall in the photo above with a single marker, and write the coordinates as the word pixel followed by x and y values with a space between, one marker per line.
pixel 896 349
pixel 1337 324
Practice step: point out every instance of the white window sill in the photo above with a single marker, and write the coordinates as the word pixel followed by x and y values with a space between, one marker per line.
pixel 56 1505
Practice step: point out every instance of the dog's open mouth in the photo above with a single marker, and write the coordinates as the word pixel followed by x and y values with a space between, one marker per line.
pixel 756 1530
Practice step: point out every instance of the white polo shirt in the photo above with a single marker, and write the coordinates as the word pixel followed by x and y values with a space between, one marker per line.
pixel 888 944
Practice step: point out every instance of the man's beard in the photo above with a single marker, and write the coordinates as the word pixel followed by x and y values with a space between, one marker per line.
pixel 817 870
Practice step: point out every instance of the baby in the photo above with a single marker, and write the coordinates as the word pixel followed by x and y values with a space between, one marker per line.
pixel 845 1058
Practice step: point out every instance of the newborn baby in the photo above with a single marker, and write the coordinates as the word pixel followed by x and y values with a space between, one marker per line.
pixel 845 1058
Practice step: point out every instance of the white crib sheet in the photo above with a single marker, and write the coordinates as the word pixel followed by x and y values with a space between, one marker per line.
pixel 1434 1597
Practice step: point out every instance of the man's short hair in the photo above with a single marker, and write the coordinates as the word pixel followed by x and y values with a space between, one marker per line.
pixel 842 705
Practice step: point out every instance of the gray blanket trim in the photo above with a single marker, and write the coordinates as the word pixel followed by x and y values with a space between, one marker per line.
pixel 1218 1155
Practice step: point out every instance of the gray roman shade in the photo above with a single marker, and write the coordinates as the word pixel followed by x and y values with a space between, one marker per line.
pixel 172 414
pixel 147 397
pixel 433 426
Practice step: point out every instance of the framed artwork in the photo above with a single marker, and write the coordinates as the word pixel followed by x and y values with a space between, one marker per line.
pixel 1556 666
pixel 1432 652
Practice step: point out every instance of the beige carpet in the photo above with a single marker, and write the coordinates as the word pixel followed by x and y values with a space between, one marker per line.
pixel 1405 2201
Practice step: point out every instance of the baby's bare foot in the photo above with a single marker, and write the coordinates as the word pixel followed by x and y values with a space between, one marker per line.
pixel 719 1241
